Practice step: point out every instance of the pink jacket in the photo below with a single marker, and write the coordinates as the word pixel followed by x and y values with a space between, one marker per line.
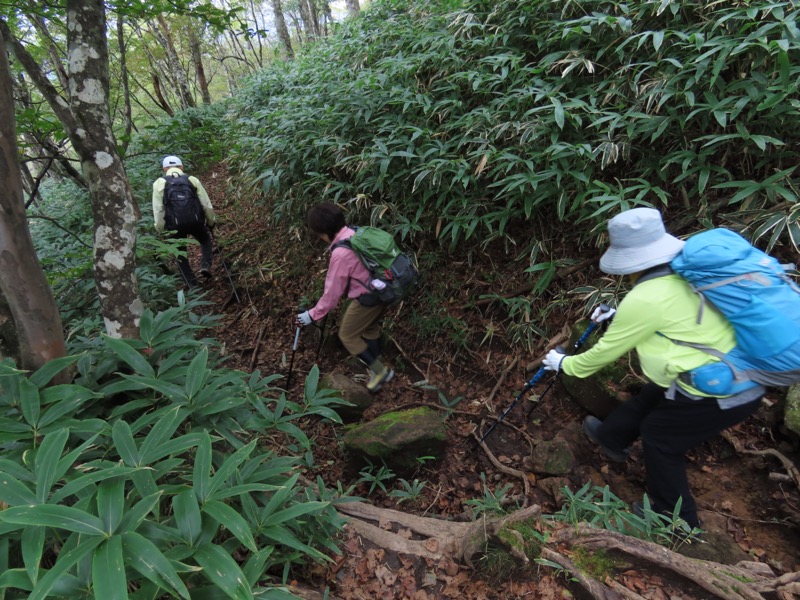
pixel 345 273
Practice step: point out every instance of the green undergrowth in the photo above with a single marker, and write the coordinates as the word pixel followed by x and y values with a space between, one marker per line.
pixel 148 473
pixel 481 121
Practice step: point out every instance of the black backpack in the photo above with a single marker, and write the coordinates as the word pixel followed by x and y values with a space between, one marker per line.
pixel 182 208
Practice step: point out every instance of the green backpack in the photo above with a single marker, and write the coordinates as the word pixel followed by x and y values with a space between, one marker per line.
pixel 378 252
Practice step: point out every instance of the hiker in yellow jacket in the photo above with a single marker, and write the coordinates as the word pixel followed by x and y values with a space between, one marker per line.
pixel 669 415
pixel 198 226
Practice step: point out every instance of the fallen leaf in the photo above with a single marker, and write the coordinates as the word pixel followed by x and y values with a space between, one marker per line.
pixel 432 544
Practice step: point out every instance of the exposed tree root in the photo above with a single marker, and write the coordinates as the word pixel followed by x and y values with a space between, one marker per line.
pixel 790 467
pixel 507 470
pixel 436 539
pixel 723 581
pixel 460 541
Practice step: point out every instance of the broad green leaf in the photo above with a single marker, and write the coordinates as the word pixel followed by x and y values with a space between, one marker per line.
pixel 147 559
pixel 108 571
pixel 111 503
pixel 187 516
pixel 124 443
pixel 201 478
pixel 167 389
pixel 50 369
pixel 279 497
pixel 558 112
pixel 232 521
pixel 197 373
pixel 146 326
pixel 29 402
pixel 132 357
pixel 174 446
pixel 227 469
pixel 64 563
pixel 223 571
pixel 160 433
pixel 658 39
pixel 255 565
pixel 15 578
pixel 282 535
pixel 14 492
pixel 76 485
pixel 145 483
pixel 295 511
pixel 32 551
pixel 47 460
pixel 58 517
pixel 135 515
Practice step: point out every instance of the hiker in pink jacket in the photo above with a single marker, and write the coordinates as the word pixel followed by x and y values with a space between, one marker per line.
pixel 359 329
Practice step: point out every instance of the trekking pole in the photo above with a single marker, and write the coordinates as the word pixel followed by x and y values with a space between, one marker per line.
pixel 225 267
pixel 321 336
pixel 291 361
pixel 540 374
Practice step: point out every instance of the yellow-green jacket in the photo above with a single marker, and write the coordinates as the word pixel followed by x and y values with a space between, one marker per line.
pixel 158 198
pixel 663 305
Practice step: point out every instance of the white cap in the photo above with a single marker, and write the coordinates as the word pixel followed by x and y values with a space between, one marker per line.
pixel 638 242
pixel 171 161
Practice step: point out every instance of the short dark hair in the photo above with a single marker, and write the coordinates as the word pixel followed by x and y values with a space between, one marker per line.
pixel 326 218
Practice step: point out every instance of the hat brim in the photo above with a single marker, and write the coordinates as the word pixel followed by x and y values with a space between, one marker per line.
pixel 624 261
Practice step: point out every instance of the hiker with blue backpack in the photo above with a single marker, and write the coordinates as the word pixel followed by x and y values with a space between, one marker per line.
pixel 181 204
pixel 687 349
pixel 355 271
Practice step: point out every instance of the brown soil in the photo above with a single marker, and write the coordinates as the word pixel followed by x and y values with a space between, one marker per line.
pixel 273 269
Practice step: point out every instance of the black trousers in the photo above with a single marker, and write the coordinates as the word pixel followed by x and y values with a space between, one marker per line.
pixel 669 428
pixel 203 237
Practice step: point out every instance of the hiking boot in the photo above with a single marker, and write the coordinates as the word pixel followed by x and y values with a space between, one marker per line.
pixel 378 378
pixel 591 425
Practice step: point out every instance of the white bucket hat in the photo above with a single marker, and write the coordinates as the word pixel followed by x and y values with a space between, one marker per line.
pixel 638 242
pixel 171 161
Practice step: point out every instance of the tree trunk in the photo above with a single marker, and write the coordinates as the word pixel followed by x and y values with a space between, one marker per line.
pixel 283 32
pixel 26 296
pixel 113 206
pixel 309 23
pixel 327 18
pixel 197 59
pixel 258 29
pixel 126 90
pixel 352 7
pixel 163 35
pixel 84 115
pixel 162 101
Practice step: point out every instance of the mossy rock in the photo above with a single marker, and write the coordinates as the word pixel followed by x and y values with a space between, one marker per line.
pixel 553 457
pixel 791 414
pixel 398 438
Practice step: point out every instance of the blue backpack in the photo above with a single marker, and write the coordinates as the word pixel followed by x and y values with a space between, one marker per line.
pixel 752 290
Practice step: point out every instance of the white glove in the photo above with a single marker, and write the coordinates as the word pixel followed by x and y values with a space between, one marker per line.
pixel 552 362
pixel 304 318
pixel 598 316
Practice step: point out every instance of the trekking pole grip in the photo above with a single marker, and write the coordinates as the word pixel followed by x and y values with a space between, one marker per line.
pixel 604 308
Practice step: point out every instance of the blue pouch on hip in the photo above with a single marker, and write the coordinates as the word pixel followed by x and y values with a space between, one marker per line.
pixel 716 379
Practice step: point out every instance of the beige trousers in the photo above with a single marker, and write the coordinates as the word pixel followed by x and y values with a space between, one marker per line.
pixel 359 323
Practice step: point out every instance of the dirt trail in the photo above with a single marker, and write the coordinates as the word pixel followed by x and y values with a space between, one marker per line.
pixel 273 271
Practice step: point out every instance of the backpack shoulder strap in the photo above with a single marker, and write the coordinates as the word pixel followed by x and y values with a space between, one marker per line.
pixel 654 273
pixel 342 244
